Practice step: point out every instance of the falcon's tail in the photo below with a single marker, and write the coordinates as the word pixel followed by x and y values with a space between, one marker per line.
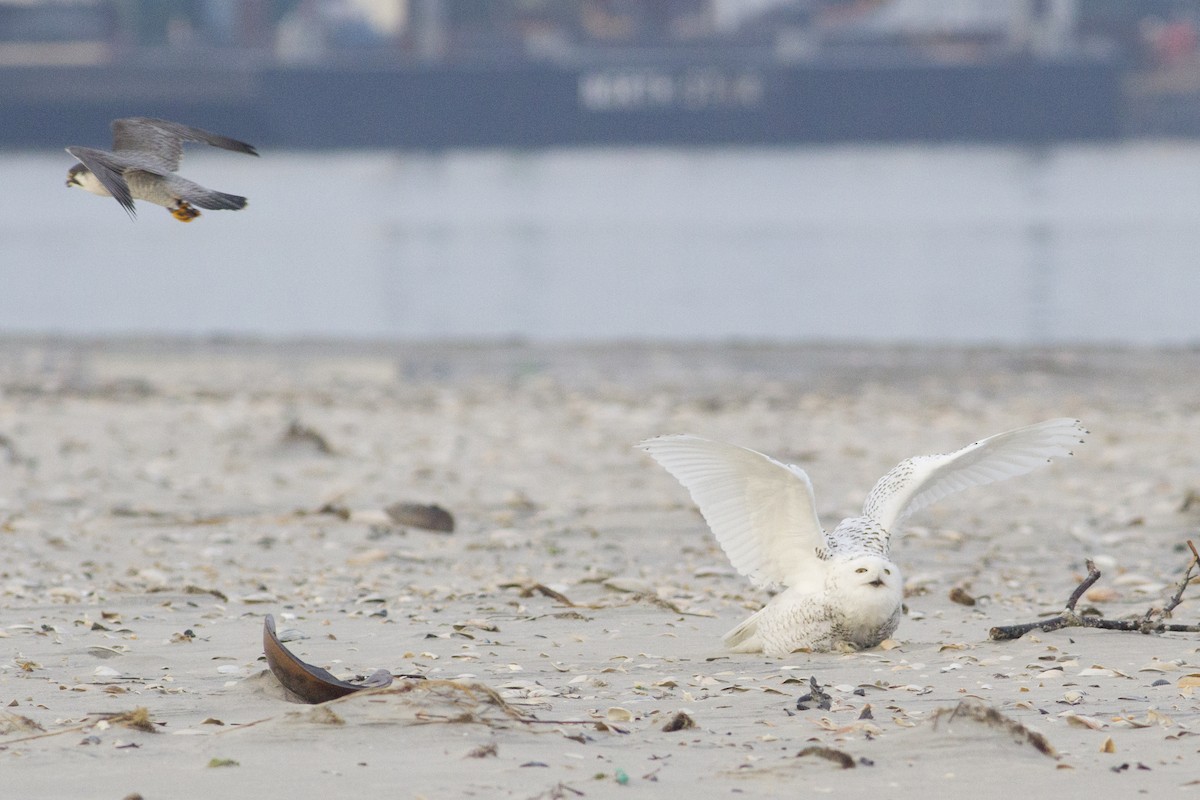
pixel 202 197
pixel 219 201
pixel 744 638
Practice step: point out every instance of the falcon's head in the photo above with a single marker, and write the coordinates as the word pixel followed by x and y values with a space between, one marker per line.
pixel 77 175
pixel 85 179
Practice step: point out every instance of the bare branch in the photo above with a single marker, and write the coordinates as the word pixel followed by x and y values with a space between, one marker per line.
pixel 1092 576
pixel 1177 598
pixel 1071 619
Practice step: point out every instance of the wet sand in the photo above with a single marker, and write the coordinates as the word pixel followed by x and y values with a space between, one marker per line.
pixel 153 511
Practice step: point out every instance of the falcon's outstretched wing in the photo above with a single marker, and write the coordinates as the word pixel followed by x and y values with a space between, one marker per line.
pixel 163 140
pixel 109 170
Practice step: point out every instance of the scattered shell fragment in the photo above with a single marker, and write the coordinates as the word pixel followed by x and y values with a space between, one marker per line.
pixel 418 515
pixel 1097 671
pixel 99 651
pixel 1081 721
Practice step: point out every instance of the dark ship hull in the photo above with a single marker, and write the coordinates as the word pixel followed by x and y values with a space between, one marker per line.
pixel 663 102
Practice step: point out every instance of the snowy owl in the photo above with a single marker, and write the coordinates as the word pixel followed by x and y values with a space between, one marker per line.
pixel 842 588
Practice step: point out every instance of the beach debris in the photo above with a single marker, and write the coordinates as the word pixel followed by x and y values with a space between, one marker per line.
pixel 977 712
pixel 681 721
pixel 839 757
pixel 420 515
pixel 559 791
pixel 816 697
pixel 11 454
pixel 663 597
pixel 489 750
pixel 300 438
pixel 311 684
pixel 1150 622
pixel 223 762
pixel 528 589
pixel 15 723
pixel 1191 498
pixel 620 776
pixel 1083 721
pixel 961 596
pixel 191 588
pixel 138 719
pixel 416 702
pixel 336 508
pixel 618 714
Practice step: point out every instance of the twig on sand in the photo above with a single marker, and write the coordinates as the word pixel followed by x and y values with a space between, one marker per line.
pixel 1150 622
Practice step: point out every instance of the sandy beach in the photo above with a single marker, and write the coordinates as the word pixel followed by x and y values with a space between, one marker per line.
pixel 154 508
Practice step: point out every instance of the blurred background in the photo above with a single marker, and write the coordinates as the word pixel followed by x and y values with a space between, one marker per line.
pixel 977 171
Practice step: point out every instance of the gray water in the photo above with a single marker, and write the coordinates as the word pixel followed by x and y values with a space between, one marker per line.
pixel 922 244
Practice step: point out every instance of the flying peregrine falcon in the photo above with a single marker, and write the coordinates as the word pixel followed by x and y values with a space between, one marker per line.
pixel 146 152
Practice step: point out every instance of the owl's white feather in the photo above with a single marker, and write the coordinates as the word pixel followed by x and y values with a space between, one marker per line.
pixel 921 481
pixel 761 511
pixel 842 587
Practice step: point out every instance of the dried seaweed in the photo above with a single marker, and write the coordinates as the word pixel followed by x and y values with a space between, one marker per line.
pixel 839 757
pixel 988 716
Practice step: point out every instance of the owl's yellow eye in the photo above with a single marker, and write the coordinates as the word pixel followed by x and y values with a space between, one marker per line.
pixel 861 570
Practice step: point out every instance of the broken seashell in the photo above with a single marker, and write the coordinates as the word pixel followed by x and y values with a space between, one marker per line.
pixel 309 683
pixel 418 515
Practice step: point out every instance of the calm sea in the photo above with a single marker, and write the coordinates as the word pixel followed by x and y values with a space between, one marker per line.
pixel 913 243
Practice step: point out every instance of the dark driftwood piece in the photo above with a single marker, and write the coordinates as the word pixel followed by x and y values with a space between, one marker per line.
pixel 1150 622
pixel 311 684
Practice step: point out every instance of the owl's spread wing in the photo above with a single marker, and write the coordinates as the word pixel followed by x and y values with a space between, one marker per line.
pixel 761 511
pixel 919 481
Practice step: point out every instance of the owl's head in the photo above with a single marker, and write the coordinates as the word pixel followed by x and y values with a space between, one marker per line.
pixel 868 579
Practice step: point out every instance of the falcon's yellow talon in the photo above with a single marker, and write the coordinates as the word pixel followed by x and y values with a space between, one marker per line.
pixel 184 212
